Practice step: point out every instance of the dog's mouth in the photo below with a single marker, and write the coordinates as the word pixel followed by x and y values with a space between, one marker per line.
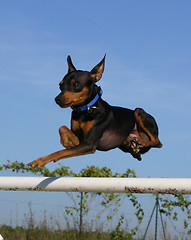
pixel 64 105
pixel 68 99
pixel 70 104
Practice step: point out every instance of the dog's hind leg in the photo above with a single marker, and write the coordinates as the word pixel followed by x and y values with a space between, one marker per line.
pixel 147 129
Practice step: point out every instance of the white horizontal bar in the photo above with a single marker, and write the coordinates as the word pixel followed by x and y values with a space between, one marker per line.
pixel 107 185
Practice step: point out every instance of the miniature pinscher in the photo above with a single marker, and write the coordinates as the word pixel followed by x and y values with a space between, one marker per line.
pixel 95 125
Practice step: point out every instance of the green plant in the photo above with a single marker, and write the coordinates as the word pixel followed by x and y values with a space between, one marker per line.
pixel 83 203
pixel 172 208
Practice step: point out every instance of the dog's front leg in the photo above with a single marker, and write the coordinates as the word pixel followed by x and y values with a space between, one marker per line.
pixel 67 138
pixel 81 149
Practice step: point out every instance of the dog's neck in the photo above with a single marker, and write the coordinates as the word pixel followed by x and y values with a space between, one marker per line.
pixel 90 105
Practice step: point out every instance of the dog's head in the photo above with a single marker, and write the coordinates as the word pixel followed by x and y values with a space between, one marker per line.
pixel 76 86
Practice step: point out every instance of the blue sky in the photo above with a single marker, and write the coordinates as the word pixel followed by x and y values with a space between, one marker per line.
pixel 148 47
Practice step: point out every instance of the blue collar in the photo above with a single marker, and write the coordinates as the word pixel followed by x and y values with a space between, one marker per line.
pixel 90 104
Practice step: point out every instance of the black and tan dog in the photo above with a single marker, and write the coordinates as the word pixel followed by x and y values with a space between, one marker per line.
pixel 95 125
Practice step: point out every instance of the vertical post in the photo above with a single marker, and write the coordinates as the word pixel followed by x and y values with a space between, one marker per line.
pixel 156 220
pixel 149 222
pixel 81 217
pixel 157 207
pixel 162 222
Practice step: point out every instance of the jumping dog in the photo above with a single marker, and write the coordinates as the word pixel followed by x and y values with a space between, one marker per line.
pixel 96 125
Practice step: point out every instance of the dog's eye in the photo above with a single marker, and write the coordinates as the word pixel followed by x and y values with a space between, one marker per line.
pixel 75 85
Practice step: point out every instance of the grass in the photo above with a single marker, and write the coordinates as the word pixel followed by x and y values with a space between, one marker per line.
pixel 20 233
pixel 47 229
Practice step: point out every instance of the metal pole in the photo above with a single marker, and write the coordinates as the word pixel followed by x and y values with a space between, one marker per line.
pixel 99 185
pixel 149 222
pixel 162 222
pixel 156 220
pixel 81 215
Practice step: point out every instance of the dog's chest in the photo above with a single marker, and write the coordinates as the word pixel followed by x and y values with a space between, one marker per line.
pixel 79 126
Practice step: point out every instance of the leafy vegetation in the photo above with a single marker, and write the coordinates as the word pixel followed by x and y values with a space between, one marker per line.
pixel 83 203
pixel 171 206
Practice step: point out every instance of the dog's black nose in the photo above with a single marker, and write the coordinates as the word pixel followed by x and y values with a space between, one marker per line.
pixel 58 100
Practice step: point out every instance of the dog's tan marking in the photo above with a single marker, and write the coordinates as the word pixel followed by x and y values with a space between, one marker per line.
pixel 154 141
pixel 72 81
pixel 75 98
pixel 67 138
pixel 86 126
pixel 66 153
pixel 74 125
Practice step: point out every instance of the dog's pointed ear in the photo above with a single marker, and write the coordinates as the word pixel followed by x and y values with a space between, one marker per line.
pixel 71 67
pixel 97 71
